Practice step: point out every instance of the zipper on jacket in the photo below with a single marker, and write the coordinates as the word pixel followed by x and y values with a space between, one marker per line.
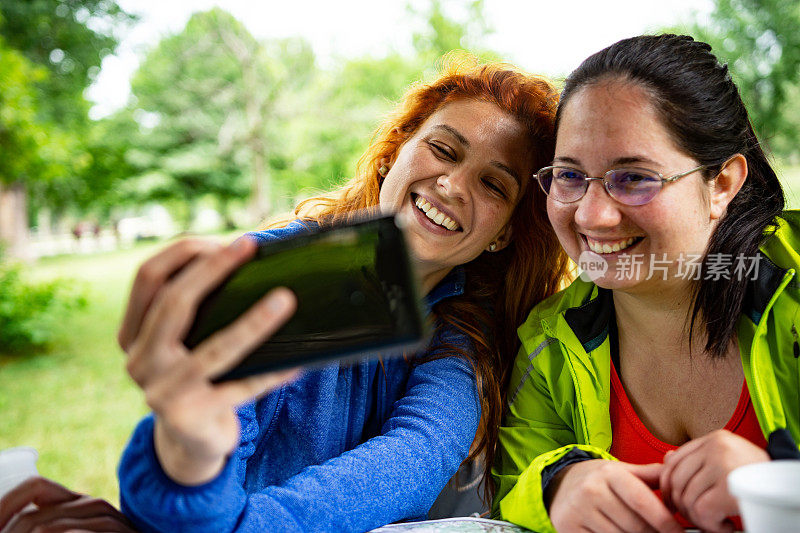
pixel 755 367
pixel 579 403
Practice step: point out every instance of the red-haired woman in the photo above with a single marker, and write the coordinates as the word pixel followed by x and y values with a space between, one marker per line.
pixel 355 446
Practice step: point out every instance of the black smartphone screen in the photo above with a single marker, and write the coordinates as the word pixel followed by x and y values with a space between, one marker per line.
pixel 356 294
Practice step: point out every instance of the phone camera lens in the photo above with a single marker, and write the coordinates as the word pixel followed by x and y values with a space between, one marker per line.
pixel 357 298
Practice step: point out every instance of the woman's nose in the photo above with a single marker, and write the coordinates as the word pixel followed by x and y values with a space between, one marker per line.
pixel 454 184
pixel 597 209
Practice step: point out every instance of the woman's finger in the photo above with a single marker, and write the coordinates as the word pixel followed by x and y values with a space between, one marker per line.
pixel 84 514
pixel 682 473
pixel 699 503
pixel 671 461
pixel 686 449
pixel 622 517
pixel 159 345
pixel 174 307
pixel 665 483
pixel 647 473
pixel 227 347
pixel 37 490
pixel 600 521
pixel 636 494
pixel 151 276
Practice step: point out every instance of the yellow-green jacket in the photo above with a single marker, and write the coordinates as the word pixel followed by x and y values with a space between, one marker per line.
pixel 560 385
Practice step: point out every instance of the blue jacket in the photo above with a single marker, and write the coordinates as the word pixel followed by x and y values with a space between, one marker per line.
pixel 347 447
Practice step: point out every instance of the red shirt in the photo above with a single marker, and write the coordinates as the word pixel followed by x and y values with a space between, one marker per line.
pixel 633 443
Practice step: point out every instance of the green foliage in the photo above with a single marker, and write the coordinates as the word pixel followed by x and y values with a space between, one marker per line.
pixel 107 166
pixel 344 105
pixel 30 312
pixel 442 31
pixel 70 39
pixel 332 119
pixel 212 95
pixel 50 52
pixel 759 39
pixel 20 134
pixel 215 112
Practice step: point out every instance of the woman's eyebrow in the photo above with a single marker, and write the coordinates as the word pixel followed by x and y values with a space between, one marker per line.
pixel 463 140
pixel 507 169
pixel 633 160
pixel 569 160
pixel 627 160
pixel 454 132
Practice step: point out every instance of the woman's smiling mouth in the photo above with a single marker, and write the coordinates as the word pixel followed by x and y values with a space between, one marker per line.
pixel 433 214
pixel 610 246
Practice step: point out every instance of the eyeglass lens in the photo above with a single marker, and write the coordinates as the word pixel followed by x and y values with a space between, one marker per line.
pixel 629 186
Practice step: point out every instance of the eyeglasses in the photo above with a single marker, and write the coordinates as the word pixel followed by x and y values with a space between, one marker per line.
pixel 629 185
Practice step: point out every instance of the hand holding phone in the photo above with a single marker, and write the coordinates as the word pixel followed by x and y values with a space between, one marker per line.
pixel 357 296
pixel 196 423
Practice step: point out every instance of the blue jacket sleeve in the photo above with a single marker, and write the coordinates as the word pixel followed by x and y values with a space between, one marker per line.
pixel 393 476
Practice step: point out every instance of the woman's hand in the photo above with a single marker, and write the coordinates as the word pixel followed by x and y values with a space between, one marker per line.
pixel 196 424
pixel 601 495
pixel 58 509
pixel 694 478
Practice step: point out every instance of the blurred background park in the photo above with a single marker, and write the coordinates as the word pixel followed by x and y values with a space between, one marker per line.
pixel 124 124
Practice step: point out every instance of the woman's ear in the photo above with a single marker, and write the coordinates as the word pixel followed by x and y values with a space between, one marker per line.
pixel 502 240
pixel 727 184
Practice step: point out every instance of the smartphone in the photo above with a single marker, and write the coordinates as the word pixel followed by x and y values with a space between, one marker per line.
pixel 356 295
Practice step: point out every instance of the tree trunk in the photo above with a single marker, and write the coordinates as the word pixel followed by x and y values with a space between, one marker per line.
pixel 255 125
pixel 261 195
pixel 255 109
pixel 14 221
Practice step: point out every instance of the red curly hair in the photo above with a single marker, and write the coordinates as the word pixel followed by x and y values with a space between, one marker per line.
pixel 502 286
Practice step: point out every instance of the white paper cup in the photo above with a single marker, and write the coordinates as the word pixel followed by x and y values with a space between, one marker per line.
pixel 16 465
pixel 768 495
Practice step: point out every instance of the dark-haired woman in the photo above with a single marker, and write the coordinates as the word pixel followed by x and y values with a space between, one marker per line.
pixel 676 359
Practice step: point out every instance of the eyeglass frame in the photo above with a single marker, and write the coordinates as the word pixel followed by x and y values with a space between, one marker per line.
pixel 587 179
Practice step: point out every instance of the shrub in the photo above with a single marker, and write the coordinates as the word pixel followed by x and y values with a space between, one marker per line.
pixel 30 312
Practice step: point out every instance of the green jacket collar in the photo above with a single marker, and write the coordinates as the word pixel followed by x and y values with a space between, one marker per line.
pixel 589 320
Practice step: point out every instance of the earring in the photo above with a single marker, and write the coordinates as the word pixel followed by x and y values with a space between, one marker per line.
pixel 493 247
pixel 383 170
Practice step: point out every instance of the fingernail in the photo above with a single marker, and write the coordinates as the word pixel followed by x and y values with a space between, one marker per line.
pixel 278 300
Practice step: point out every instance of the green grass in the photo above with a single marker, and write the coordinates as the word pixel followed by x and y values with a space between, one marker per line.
pixel 75 403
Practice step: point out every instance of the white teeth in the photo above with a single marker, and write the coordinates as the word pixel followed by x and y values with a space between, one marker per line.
pixel 607 248
pixel 434 214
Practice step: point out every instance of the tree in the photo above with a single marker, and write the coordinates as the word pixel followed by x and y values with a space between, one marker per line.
pixel 760 41
pixel 70 39
pixel 107 168
pixel 20 138
pixel 348 101
pixel 62 43
pixel 211 93
pixel 442 32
